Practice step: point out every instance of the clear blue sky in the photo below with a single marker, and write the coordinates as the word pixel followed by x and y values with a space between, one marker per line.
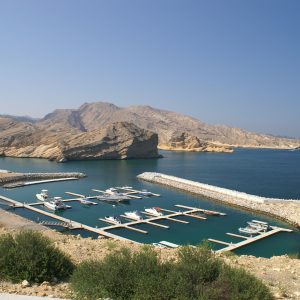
pixel 226 62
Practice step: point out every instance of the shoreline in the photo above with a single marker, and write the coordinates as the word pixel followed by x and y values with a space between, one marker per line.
pixel 284 210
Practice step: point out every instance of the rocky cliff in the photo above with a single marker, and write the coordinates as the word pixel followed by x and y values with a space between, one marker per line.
pixel 62 142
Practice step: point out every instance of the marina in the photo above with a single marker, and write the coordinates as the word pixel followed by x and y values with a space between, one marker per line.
pixel 181 230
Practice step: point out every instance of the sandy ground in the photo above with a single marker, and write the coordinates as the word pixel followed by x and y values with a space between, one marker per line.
pixel 281 273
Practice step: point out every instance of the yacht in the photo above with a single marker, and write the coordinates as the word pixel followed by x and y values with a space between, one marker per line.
pixel 155 211
pixel 134 215
pixel 112 197
pixel 56 203
pixel 43 195
pixel 111 219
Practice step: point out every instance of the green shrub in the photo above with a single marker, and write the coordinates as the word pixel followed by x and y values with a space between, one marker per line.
pixel 31 256
pixel 197 274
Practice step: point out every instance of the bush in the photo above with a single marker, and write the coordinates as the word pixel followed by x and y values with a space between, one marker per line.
pixel 197 274
pixel 31 256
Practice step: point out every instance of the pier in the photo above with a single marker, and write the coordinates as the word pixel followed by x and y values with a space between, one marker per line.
pixel 190 212
pixel 74 224
pixel 247 240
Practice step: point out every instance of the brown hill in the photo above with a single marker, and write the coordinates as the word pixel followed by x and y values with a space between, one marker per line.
pixel 63 140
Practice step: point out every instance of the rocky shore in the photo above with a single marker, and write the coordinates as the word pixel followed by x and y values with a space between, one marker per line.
pixel 280 273
pixel 287 210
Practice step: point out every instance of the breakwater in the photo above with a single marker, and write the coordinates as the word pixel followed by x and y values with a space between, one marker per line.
pixel 284 209
pixel 12 178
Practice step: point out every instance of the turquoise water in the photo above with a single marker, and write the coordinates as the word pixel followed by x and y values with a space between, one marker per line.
pixel 261 172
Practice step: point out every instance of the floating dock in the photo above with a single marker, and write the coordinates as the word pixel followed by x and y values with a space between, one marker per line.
pixel 190 212
pixel 247 240
pixel 74 224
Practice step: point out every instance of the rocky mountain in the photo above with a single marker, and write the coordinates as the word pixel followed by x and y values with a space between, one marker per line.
pixel 105 131
pixel 50 140
pixel 166 124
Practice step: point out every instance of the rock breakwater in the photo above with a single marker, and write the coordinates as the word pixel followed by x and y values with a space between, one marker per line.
pixel 11 178
pixel 285 209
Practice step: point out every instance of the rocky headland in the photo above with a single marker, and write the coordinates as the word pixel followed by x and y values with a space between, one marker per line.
pixel 68 141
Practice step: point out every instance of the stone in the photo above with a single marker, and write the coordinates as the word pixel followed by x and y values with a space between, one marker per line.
pixel 25 284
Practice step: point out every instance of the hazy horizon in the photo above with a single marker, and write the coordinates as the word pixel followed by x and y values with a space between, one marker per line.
pixel 223 62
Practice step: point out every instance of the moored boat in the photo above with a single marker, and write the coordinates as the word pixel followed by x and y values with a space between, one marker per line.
pixel 55 204
pixel 43 195
pixel 134 215
pixel 112 219
pixel 155 211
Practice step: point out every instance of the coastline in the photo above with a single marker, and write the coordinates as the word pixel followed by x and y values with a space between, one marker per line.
pixel 285 210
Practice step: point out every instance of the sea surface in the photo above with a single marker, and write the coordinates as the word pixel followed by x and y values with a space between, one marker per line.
pixel 271 173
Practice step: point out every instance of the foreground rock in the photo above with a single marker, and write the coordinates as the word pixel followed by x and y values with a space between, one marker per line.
pixel 63 142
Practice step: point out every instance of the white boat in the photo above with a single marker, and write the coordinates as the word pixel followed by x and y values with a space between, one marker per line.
pixel 249 230
pixel 111 219
pixel 43 195
pixel 56 203
pixel 85 201
pixel 145 193
pixel 258 226
pixel 134 215
pixel 155 211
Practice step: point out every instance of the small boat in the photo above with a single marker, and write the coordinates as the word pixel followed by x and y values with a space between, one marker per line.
pixel 144 192
pixel 249 230
pixel 112 219
pixel 56 203
pixel 258 226
pixel 43 195
pixel 85 201
pixel 155 211
pixel 134 215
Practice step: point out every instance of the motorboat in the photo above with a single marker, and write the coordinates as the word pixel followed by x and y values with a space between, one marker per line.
pixel 144 192
pixel 155 211
pixel 112 219
pixel 249 230
pixel 258 226
pixel 134 215
pixel 56 203
pixel 86 201
pixel 43 195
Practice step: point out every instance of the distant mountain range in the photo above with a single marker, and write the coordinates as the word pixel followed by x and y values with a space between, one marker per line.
pixel 175 131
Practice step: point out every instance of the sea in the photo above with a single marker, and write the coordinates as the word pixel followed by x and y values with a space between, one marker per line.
pixel 263 172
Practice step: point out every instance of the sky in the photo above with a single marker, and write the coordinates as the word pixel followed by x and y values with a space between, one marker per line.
pixel 230 62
